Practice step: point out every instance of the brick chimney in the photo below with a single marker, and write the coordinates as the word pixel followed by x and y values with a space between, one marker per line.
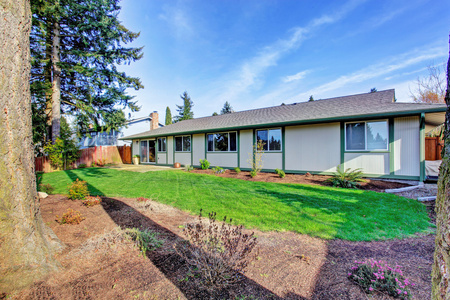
pixel 154 122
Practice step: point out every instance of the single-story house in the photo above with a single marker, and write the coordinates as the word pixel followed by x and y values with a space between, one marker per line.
pixel 370 131
pixel 112 137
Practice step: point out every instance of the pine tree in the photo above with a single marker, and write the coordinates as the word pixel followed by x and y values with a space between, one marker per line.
pixel 215 114
pixel 168 116
pixel 76 46
pixel 373 90
pixel 185 111
pixel 311 98
pixel 227 109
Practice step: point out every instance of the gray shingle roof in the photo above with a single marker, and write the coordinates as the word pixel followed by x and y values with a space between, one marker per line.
pixel 380 104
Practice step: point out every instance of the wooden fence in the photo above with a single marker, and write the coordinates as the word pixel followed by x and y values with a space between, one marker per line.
pixel 99 155
pixel 433 148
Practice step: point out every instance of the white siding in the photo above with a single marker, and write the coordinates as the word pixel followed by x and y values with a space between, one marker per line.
pixel 272 160
pixel 222 159
pixel 406 146
pixel 313 147
pixel 170 150
pixel 198 144
pixel 245 147
pixel 183 158
pixel 370 163
pixel 135 147
pixel 162 158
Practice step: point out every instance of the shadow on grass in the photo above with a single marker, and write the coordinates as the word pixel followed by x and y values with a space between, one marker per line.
pixel 88 172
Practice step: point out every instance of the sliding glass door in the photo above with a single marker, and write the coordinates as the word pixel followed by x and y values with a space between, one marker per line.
pixel 148 153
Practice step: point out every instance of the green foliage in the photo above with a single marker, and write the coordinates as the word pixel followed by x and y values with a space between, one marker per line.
pixel 189 168
pixel 168 116
pixel 78 190
pixel 373 90
pixel 237 170
pixel 145 240
pixel 81 166
pixel 185 111
pixel 205 164
pixel 253 173
pixel 71 217
pixel 218 253
pixel 215 114
pixel 218 170
pixel 256 158
pixel 311 98
pixel 281 174
pixel 346 179
pixel 137 155
pixel 377 276
pixel 227 109
pixel 46 188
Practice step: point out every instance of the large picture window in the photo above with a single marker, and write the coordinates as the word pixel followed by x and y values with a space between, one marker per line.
pixel 183 143
pixel 162 144
pixel 271 139
pixel 367 136
pixel 222 142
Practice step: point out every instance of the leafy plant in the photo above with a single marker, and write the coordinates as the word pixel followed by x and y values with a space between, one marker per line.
pixel 253 173
pixel 78 190
pixel 378 276
pixel 281 174
pixel 46 188
pixel 189 168
pixel 346 179
pixel 218 253
pixel 218 170
pixel 145 240
pixel 101 162
pixel 91 201
pixel 205 164
pixel 82 166
pixel 256 158
pixel 71 217
pixel 137 155
pixel 237 170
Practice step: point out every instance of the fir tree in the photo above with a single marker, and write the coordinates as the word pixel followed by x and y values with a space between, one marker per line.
pixel 373 90
pixel 215 114
pixel 168 116
pixel 311 98
pixel 76 46
pixel 185 111
pixel 227 109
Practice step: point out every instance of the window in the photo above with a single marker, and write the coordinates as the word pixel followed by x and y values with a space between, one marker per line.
pixel 222 142
pixel 162 144
pixel 366 136
pixel 271 139
pixel 183 143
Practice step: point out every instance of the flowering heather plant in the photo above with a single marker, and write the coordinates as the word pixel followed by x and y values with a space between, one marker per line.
pixel 142 199
pixel 91 201
pixel 378 276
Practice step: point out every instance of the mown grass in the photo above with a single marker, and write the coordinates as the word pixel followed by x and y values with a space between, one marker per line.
pixel 318 211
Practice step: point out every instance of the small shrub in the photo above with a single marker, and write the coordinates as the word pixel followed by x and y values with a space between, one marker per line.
pixel 281 174
pixel 101 162
pixel 142 199
pixel 205 164
pixel 277 171
pixel 218 253
pixel 91 201
pixel 78 190
pixel 189 168
pixel 145 240
pixel 46 188
pixel 137 155
pixel 218 170
pixel 253 173
pixel 93 165
pixel 71 217
pixel 377 276
pixel 237 170
pixel 82 166
pixel 255 159
pixel 346 179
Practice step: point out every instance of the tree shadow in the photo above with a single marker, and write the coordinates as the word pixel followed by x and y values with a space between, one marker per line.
pixel 90 172
pixel 173 266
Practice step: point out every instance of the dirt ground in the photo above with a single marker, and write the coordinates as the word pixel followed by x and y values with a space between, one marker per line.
pixel 288 265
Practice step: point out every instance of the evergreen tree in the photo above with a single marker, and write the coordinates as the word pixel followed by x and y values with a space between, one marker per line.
pixel 373 90
pixel 185 111
pixel 227 109
pixel 311 98
pixel 168 116
pixel 76 46
pixel 215 114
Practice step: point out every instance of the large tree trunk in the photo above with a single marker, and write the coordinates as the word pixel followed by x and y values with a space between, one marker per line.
pixel 441 267
pixel 56 84
pixel 48 82
pixel 26 244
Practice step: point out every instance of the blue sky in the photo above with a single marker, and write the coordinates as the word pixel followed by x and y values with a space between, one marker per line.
pixel 260 53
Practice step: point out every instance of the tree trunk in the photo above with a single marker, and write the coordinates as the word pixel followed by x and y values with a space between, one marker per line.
pixel 26 244
pixel 441 267
pixel 48 82
pixel 56 84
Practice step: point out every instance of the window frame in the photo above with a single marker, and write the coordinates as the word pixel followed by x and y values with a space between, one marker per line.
pixel 365 136
pixel 182 143
pixel 228 144
pixel 160 144
pixel 268 139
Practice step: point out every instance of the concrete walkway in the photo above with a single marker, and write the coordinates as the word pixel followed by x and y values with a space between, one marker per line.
pixel 142 168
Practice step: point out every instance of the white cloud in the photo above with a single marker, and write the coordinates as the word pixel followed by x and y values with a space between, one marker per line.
pixel 177 18
pixel 298 76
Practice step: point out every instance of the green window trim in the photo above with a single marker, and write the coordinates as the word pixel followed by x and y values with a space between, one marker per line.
pixel 281 150
pixel 182 144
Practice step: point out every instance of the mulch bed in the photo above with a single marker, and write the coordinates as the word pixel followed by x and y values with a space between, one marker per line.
pixel 289 265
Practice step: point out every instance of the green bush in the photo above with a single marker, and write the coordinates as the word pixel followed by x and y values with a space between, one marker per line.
pixel 189 168
pixel 237 170
pixel 281 173
pixel 82 166
pixel 78 190
pixel 346 179
pixel 145 240
pixel 253 173
pixel 377 276
pixel 205 164
pixel 218 170
pixel 137 155
pixel 46 188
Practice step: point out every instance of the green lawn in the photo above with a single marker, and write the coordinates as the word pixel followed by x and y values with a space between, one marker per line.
pixel 323 212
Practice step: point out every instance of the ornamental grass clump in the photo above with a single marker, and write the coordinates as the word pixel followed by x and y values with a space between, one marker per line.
pixel 217 252
pixel 377 276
